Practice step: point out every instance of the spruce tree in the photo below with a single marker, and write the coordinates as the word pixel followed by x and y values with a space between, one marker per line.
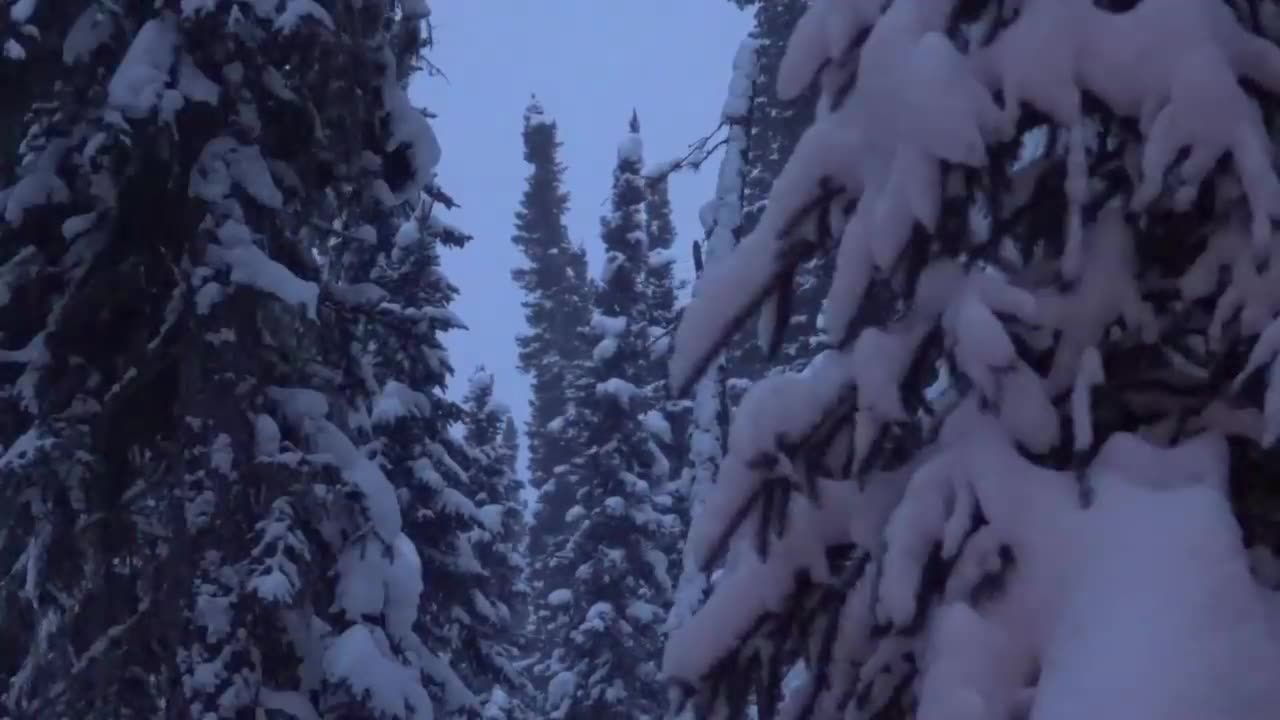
pixel 607 613
pixel 406 367
pixel 554 353
pixel 187 490
pixel 498 543
pixel 557 299
pixel 1051 392
pixel 668 418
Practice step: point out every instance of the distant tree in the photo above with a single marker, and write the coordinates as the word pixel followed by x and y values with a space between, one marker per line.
pixel 189 403
pixel 608 611
pixel 557 299
pixel 555 354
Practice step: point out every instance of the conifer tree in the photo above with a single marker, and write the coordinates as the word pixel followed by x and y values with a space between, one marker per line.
pixel 557 298
pixel 186 487
pixel 667 419
pixel 1052 382
pixel 608 610
pixel 498 544
pixel 554 353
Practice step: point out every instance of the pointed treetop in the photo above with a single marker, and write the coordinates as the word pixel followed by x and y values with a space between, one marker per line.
pixel 534 113
pixel 632 148
pixel 481 379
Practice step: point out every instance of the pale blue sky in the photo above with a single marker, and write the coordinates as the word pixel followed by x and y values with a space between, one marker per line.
pixel 590 62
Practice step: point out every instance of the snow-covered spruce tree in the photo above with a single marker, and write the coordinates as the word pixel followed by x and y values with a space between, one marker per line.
pixel 191 527
pixel 1031 475
pixel 499 543
pixel 608 611
pixel 554 353
pixel 558 298
pixel 667 418
pixel 773 127
pixel 709 417
pixel 403 313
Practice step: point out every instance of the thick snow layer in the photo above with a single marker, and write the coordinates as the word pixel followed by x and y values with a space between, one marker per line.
pixel 306 410
pixel 40 184
pixel 737 103
pixel 619 389
pixel 88 33
pixel 397 400
pixel 1163 619
pixel 410 130
pixel 251 267
pixel 21 10
pixel 295 11
pixel 356 659
pixel 631 149
pixel 194 84
pixel 224 163
pixel 1139 604
pixel 143 75
pixel 607 325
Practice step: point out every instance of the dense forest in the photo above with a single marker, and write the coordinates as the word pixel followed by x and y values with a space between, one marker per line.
pixel 968 409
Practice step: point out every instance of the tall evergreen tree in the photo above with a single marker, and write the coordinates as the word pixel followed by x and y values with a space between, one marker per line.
pixel 555 355
pixel 669 418
pixel 557 299
pixel 406 368
pixel 1058 424
pixel 498 544
pixel 186 486
pixel 608 611
pixel 665 418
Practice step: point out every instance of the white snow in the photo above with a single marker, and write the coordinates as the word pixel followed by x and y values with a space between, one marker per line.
pixel 21 10
pixel 1139 605
pixel 295 11
pixel 411 130
pixel 619 389
pixel 631 148
pixel 143 75
pixel 251 267
pixel 88 33
pixel 397 400
pixel 356 660
pixel 39 184
pixel 607 325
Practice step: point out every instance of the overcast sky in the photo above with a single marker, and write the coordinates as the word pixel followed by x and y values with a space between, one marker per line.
pixel 589 62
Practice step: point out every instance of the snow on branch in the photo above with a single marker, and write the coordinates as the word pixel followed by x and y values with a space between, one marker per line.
pixel 1081 276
